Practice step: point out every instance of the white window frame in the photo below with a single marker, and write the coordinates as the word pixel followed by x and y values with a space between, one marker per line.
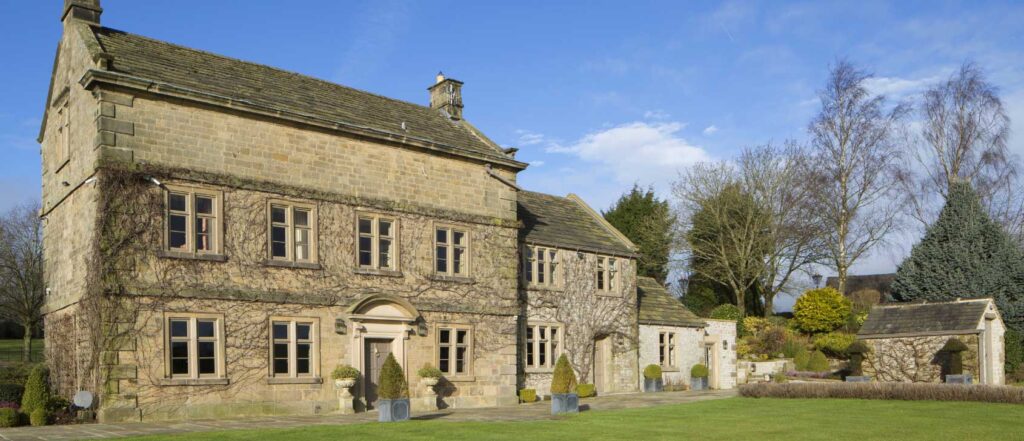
pixel 539 260
pixel 191 216
pixel 552 346
pixel 450 248
pixel 375 240
pixel 290 228
pixel 453 345
pixel 193 345
pixel 292 341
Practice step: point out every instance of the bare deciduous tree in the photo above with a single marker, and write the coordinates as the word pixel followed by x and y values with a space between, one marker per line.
pixel 22 290
pixel 776 177
pixel 964 136
pixel 856 159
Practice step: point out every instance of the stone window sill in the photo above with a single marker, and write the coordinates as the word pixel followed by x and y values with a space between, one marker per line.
pixel 669 369
pixel 296 380
pixel 194 382
pixel 290 264
pixel 192 256
pixel 460 378
pixel 540 370
pixel 378 272
pixel 533 287
pixel 452 279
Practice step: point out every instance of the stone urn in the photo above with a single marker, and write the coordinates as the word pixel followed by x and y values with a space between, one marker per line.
pixel 346 402
pixel 344 383
pixel 430 382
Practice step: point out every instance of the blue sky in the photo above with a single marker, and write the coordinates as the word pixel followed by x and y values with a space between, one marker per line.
pixel 597 95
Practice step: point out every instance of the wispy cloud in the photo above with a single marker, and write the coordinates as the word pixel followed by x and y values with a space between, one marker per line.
pixel 710 130
pixel 897 88
pixel 658 115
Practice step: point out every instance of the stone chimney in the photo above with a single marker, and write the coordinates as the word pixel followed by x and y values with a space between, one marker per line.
pixel 446 95
pixel 85 10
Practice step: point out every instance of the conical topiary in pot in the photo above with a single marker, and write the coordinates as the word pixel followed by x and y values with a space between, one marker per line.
pixel 652 378
pixel 563 388
pixel 393 392
pixel 699 377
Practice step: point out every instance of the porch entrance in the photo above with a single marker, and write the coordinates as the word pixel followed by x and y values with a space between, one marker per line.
pixel 376 351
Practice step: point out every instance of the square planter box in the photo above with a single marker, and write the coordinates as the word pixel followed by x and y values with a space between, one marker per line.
pixel 565 403
pixel 393 410
pixel 959 379
pixel 858 379
pixel 699 383
pixel 655 385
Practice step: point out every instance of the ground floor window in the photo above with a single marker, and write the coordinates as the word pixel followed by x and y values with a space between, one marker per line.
pixel 195 346
pixel 453 349
pixel 292 348
pixel 542 346
pixel 667 349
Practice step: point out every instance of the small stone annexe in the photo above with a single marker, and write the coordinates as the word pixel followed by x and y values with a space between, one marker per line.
pixel 220 235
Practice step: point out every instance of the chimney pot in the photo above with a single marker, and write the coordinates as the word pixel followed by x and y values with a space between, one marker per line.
pixel 446 95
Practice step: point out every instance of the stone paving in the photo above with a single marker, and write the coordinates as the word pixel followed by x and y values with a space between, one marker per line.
pixel 527 412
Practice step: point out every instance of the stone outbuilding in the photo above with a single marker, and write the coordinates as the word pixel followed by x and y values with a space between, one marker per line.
pixel 910 342
pixel 675 338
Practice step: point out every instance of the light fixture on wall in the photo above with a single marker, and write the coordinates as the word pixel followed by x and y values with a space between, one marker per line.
pixel 725 345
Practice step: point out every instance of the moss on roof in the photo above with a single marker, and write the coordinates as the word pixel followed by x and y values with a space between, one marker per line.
pixel 265 86
pixel 658 307
pixel 925 318
pixel 563 222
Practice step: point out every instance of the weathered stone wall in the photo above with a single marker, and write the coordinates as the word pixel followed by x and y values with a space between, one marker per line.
pixel 915 359
pixel 586 314
pixel 689 351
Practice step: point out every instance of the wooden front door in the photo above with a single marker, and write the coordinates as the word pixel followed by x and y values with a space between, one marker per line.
pixel 600 365
pixel 377 350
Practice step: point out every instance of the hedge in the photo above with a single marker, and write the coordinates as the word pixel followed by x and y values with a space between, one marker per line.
pixel 11 393
pixel 586 390
pixel 887 391
pixel 528 395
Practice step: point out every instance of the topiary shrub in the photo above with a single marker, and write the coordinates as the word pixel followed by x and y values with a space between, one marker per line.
pixel 11 392
pixel 834 344
pixel 344 372
pixel 729 311
pixel 821 310
pixel 527 395
pixel 699 371
pixel 652 372
pixel 586 390
pixel 801 359
pixel 392 380
pixel 38 417
pixel 9 417
pixel 37 391
pixel 563 381
pixel 818 362
pixel 428 371
pixel 857 351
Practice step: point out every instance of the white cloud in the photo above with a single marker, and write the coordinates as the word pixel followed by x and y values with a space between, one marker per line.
pixel 895 87
pixel 527 138
pixel 637 151
pixel 710 130
pixel 536 163
pixel 656 115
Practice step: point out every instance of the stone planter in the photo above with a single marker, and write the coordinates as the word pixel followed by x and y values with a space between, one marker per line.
pixel 393 410
pixel 344 383
pixel 346 402
pixel 430 381
pixel 565 403
pixel 699 383
pixel 655 385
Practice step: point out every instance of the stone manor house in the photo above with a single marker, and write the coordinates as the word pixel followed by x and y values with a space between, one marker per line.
pixel 220 235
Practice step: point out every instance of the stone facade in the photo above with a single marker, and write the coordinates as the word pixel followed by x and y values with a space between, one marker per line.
pixel 915 359
pixel 689 350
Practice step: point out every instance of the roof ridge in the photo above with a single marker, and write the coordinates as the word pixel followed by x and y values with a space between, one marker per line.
pixel 266 66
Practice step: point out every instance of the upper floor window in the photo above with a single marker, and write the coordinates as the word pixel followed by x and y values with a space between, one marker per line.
pixel 62 148
pixel 195 346
pixel 193 221
pixel 377 236
pixel 292 232
pixel 450 255
pixel 667 349
pixel 540 265
pixel 606 273
pixel 453 349
pixel 292 348
pixel 543 346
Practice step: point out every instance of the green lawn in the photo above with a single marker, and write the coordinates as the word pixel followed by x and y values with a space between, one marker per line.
pixel 10 349
pixel 729 419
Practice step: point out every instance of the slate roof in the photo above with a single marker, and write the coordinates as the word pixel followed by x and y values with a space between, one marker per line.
pixel 658 307
pixel 879 282
pixel 565 222
pixel 251 83
pixel 954 317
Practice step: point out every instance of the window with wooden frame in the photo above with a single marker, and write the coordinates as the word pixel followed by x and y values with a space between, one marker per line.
pixel 542 346
pixel 377 242
pixel 540 265
pixel 292 232
pixel 454 349
pixel 195 346
pixel 293 348
pixel 451 251
pixel 193 220
pixel 667 349
pixel 606 273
